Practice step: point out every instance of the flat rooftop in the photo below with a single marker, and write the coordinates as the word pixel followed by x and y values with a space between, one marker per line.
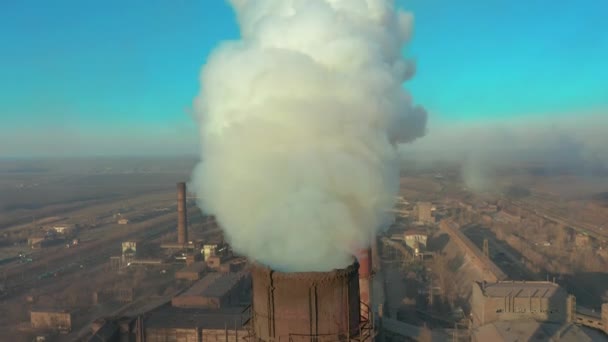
pixel 194 267
pixel 412 232
pixel 44 309
pixel 527 289
pixel 214 285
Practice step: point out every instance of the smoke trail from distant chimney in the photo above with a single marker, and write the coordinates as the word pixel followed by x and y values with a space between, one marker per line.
pixel 299 123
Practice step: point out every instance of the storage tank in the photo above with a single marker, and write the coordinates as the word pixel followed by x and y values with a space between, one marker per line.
pixel 305 306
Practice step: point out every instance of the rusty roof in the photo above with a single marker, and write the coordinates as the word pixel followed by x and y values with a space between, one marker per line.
pixel 194 267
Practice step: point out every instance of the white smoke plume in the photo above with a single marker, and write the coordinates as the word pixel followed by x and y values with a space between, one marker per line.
pixel 299 122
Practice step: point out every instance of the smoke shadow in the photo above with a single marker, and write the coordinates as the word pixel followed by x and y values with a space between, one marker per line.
pixel 437 243
pixel 557 324
pixel 591 294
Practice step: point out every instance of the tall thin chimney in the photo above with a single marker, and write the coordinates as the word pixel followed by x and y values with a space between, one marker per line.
pixel 365 267
pixel 182 220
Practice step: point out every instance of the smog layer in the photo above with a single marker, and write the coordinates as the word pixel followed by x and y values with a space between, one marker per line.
pixel 299 122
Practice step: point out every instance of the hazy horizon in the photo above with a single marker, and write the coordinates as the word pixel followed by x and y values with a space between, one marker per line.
pixel 98 81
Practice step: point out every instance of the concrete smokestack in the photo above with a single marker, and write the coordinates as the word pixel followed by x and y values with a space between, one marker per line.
pixel 182 219
pixel 365 266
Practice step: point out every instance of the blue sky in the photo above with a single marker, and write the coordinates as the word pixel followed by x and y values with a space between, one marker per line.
pixel 96 73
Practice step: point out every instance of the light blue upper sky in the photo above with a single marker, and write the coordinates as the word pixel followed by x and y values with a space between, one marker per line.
pixel 128 70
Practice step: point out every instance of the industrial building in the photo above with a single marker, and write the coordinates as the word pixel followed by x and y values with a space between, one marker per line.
pixel 416 241
pixel 182 250
pixel 37 241
pixel 215 291
pixel 45 239
pixel 121 294
pixel 257 304
pixel 63 229
pixel 192 271
pixel 526 310
pixel 51 320
pixel 129 248
pixel 424 213
pixel 214 262
pixel 169 323
pixel 515 300
pixel 210 250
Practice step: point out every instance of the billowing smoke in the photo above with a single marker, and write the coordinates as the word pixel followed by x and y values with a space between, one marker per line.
pixel 299 122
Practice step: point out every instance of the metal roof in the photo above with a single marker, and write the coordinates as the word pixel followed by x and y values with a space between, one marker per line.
pixel 214 285
pixel 527 289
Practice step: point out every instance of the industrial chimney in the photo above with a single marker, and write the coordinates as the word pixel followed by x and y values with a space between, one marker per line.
pixel 182 219
pixel 306 306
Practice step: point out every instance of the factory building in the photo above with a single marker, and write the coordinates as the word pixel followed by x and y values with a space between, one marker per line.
pixel 177 324
pixel 209 250
pixel 535 310
pixel 44 240
pixel 120 294
pixel 424 213
pixel 191 272
pixel 214 262
pixel 64 229
pixel 129 248
pixel 51 320
pixel 259 304
pixel 192 258
pixel 416 241
pixel 37 241
pixel 215 291
pixel 519 300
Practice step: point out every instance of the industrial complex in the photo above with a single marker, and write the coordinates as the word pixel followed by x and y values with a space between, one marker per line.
pixel 433 275
pixel 230 299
